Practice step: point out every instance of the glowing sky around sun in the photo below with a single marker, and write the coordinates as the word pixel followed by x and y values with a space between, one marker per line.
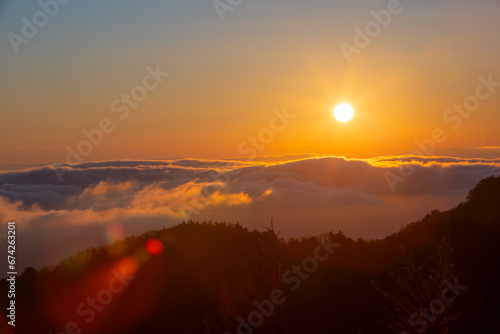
pixel 225 78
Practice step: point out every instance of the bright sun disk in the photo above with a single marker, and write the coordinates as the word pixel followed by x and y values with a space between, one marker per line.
pixel 343 112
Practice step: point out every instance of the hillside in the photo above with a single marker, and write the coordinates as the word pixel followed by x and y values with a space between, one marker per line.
pixel 216 277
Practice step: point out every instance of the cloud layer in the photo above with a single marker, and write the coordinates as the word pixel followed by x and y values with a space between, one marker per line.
pixel 58 216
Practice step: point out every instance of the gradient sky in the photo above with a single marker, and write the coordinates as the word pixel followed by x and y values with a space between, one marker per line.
pixel 227 77
pixel 227 80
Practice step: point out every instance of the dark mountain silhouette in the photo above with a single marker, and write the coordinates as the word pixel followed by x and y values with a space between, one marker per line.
pixel 436 275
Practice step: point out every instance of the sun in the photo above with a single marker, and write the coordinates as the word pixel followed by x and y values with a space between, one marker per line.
pixel 343 112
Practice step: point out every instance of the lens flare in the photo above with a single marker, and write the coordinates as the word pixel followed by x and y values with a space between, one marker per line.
pixel 114 232
pixel 128 265
pixel 154 246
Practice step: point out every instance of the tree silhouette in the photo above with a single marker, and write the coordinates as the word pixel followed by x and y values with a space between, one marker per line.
pixel 412 307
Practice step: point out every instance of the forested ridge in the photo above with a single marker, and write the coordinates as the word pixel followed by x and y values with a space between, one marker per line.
pixel 217 277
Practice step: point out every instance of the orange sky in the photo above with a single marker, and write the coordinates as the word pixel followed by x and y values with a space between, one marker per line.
pixel 225 79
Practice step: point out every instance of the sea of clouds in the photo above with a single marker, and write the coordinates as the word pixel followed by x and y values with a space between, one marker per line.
pixel 56 217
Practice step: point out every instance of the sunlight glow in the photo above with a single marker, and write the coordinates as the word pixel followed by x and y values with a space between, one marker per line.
pixel 343 112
